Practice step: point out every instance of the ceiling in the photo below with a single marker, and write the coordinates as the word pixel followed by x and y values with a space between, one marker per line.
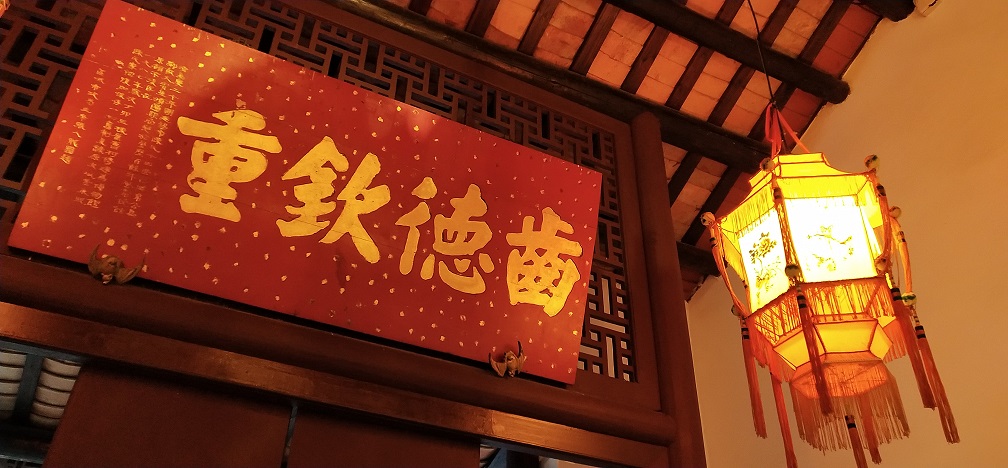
pixel 693 63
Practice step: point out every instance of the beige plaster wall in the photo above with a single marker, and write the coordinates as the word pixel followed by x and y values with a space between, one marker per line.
pixel 929 96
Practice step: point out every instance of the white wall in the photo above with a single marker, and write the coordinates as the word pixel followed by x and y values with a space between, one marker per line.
pixel 930 97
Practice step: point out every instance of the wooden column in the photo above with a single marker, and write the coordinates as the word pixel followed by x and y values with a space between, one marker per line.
pixel 672 344
pixel 116 418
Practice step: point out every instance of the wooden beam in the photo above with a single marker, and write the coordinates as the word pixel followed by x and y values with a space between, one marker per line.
pixel 480 18
pixel 540 20
pixel 709 33
pixel 186 359
pixel 895 10
pixel 321 350
pixel 592 43
pixel 684 131
pixel 645 59
pixel 420 7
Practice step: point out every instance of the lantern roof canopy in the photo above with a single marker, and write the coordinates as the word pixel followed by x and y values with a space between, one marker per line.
pixel 798 176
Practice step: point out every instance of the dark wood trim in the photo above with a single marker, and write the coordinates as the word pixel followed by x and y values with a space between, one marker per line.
pixel 540 20
pixel 895 10
pixel 592 43
pixel 645 59
pixel 676 378
pixel 202 362
pixel 269 336
pixel 679 129
pixel 480 18
pixel 420 7
pixel 709 33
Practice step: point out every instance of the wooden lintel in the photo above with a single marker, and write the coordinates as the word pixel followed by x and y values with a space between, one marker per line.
pixel 679 129
pixel 709 33
pixel 895 10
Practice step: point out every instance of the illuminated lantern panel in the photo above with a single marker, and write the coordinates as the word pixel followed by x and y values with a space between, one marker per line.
pixel 815 249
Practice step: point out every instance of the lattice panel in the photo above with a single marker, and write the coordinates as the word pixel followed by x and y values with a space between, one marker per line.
pixel 42 44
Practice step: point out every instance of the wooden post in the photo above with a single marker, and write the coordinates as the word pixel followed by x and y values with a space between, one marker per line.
pixel 676 379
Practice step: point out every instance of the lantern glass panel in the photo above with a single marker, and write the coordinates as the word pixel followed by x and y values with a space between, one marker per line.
pixel 831 239
pixel 762 249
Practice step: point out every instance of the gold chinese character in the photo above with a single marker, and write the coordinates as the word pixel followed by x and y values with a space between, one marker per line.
pixel 312 165
pixel 234 155
pixel 358 198
pixel 542 279
pixel 457 236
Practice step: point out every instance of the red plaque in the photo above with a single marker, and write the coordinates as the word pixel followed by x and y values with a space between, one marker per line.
pixel 235 174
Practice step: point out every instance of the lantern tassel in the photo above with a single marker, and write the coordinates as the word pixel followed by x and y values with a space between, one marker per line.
pixel 906 325
pixel 868 423
pixel 785 427
pixel 808 329
pixel 759 420
pixel 941 399
pixel 855 442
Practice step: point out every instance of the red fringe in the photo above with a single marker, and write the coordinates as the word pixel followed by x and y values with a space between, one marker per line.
pixel 811 341
pixel 855 442
pixel 759 420
pixel 902 313
pixel 941 400
pixel 785 427
pixel 868 423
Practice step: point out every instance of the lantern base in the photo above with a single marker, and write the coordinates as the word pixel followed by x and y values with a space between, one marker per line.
pixel 864 390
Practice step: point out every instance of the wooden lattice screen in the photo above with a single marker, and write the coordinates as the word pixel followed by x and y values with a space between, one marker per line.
pixel 42 42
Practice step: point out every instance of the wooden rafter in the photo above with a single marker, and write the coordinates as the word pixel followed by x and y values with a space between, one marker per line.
pixel 830 20
pixel 709 33
pixel 769 33
pixel 480 18
pixel 592 43
pixel 540 20
pixel 713 202
pixel 645 59
pixel 682 130
pixel 895 10
pixel 700 58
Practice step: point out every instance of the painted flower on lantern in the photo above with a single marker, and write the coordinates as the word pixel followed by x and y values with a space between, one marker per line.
pixel 234 155
pixel 457 235
pixel 542 279
pixel 358 197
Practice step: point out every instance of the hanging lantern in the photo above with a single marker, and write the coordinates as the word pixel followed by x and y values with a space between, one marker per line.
pixel 821 258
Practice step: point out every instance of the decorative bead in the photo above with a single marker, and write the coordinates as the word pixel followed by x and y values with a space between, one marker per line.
pixel 909 299
pixel 792 271
pixel 872 161
pixel 707 219
pixel 895 212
